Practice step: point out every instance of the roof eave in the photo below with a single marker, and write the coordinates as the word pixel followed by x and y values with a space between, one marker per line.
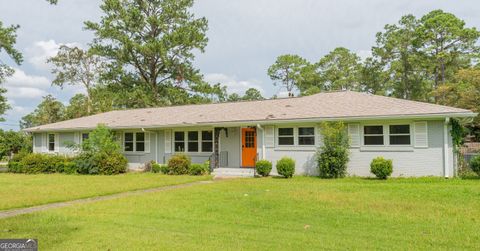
pixel 269 121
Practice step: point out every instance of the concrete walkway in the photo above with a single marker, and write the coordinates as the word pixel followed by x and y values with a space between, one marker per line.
pixel 19 211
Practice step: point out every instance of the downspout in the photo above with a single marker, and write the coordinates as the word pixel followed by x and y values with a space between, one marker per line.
pixel 263 140
pixel 445 148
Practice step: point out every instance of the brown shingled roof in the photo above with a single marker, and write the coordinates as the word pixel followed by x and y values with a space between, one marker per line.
pixel 323 106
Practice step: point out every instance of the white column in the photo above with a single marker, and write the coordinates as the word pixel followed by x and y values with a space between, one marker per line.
pixel 446 152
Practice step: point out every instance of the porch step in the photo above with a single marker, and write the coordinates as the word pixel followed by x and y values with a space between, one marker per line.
pixel 233 172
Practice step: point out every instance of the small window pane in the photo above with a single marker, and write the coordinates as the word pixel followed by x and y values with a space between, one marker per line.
pixel 140 146
pixel 179 146
pixel 285 131
pixel 207 135
pixel 373 129
pixel 399 129
pixel 140 136
pixel 129 136
pixel 400 140
pixel 306 131
pixel 285 141
pixel 179 136
pixel 84 136
pixel 128 146
pixel 373 140
pixel 306 140
pixel 192 136
pixel 193 146
pixel 207 146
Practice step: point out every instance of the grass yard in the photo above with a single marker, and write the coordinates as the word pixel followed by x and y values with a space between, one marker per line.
pixel 269 214
pixel 21 190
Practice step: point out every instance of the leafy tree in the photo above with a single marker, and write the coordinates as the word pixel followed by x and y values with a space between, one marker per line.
pixel 12 142
pixel 397 48
pixel 252 94
pixel 8 38
pixel 77 107
pixel 234 97
pixel 287 72
pixel 339 70
pixel 50 110
pixel 75 66
pixel 372 77
pixel 447 43
pixel 463 92
pixel 153 44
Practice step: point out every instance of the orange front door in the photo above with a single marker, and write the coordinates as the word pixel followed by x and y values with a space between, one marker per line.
pixel 249 147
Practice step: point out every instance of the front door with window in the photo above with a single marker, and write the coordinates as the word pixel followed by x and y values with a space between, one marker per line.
pixel 249 147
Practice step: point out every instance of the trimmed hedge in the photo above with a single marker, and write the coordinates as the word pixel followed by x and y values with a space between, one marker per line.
pixel 263 167
pixel 382 168
pixel 286 167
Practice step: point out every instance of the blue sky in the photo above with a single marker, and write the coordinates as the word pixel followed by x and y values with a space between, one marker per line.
pixel 245 37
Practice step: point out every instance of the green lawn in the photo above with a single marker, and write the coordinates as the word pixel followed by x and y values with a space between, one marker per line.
pixel 270 214
pixel 20 190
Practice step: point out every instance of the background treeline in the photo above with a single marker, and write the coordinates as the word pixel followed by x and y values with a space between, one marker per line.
pixel 143 51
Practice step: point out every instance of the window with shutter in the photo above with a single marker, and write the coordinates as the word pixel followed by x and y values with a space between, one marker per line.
pixel 168 141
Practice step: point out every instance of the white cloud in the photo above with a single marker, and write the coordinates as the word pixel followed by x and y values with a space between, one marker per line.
pixel 233 84
pixel 364 54
pixel 25 92
pixel 21 79
pixel 22 85
pixel 43 50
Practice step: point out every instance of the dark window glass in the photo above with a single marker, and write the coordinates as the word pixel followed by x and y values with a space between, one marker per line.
pixel 51 142
pixel 207 146
pixel 306 141
pixel 179 136
pixel 180 146
pixel 192 136
pixel 285 131
pixel 129 136
pixel 207 135
pixel 373 129
pixel 306 131
pixel 128 146
pixel 140 136
pixel 84 136
pixel 400 140
pixel 285 141
pixel 373 140
pixel 193 146
pixel 140 146
pixel 399 129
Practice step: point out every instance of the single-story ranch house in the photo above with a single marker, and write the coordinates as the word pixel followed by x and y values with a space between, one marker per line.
pixel 415 135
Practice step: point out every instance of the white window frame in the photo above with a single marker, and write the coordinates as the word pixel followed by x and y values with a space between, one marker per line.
pixel 296 136
pixel 55 143
pixel 409 134
pixel 286 136
pixel 386 134
pixel 307 136
pixel 134 141
pixel 199 141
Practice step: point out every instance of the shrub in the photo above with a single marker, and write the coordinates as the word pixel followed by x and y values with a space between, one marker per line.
pixel 332 157
pixel 164 168
pixel 179 164
pixel 113 163
pixel 475 164
pixel 86 164
pixel 286 167
pixel 382 168
pixel 40 163
pixel 148 167
pixel 199 169
pixel 263 167
pixel 156 168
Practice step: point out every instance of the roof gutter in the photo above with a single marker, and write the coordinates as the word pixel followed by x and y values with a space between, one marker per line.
pixel 275 121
